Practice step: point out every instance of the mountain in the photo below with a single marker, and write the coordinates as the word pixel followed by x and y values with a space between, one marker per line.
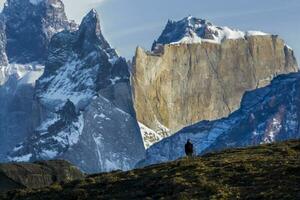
pixel 198 71
pixel 26 27
pixel 30 24
pixel 84 106
pixel 269 114
pixel 36 175
pixel 264 172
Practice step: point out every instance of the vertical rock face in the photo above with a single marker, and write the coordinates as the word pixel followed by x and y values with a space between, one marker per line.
pixel 84 101
pixel 30 26
pixel 201 73
pixel 267 115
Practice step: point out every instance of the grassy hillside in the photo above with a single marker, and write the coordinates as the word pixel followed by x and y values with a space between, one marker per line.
pixel 264 172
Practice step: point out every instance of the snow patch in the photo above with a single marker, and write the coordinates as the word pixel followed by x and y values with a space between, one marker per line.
pixel 71 136
pixel 64 85
pixel 49 154
pixel 149 136
pixel 24 73
pixel 17 148
pixel 31 77
pixel 287 46
pixel 24 158
pixel 256 33
pixel 36 2
pixel 114 80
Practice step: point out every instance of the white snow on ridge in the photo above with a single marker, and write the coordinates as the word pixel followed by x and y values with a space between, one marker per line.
pixel 195 29
pixel 64 85
pixel 287 46
pixel 255 33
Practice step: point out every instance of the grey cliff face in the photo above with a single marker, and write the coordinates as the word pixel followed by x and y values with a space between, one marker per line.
pixel 269 114
pixel 85 105
pixel 30 26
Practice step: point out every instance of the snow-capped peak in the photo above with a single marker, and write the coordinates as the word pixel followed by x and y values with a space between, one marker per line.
pixel 92 18
pixel 195 30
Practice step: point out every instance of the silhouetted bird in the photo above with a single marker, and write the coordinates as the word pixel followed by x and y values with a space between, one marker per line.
pixel 189 148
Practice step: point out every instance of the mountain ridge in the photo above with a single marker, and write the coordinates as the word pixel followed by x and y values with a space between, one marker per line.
pixel 198 79
pixel 63 88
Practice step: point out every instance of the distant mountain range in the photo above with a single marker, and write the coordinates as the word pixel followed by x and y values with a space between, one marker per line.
pixel 66 94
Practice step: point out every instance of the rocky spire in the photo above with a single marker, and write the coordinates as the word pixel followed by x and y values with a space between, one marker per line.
pixel 30 24
pixel 90 35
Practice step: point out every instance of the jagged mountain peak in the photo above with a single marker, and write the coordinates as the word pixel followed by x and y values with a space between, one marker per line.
pixel 84 98
pixel 190 21
pixel 30 25
pixel 92 20
pixel 90 34
pixel 195 30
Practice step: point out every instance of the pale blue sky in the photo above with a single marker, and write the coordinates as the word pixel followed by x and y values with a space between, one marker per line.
pixel 128 23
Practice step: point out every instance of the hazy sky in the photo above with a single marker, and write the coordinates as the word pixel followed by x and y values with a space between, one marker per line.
pixel 128 23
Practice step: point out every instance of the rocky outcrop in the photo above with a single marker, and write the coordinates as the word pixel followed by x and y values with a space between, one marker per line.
pixel 183 82
pixel 30 26
pixel 86 113
pixel 269 114
pixel 36 175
